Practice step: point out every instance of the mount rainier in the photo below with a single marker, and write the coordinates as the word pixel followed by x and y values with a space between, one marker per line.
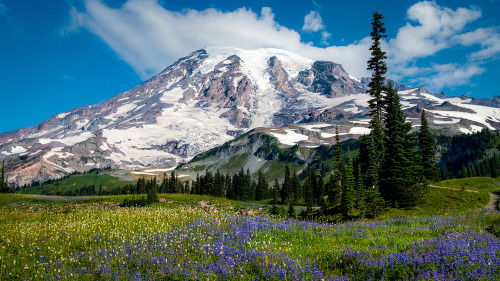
pixel 212 96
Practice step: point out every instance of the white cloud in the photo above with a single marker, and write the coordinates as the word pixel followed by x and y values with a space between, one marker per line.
pixel 487 38
pixel 448 75
pixel 324 37
pixel 150 37
pixel 433 29
pixel 437 29
pixel 313 22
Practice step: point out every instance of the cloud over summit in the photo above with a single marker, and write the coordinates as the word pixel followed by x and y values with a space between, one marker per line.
pixel 150 37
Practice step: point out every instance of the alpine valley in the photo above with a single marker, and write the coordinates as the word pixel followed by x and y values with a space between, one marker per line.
pixel 212 97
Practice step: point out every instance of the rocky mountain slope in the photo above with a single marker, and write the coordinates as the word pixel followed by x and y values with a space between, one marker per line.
pixel 210 97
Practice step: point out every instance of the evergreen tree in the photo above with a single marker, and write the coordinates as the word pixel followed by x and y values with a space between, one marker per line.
pixel 308 190
pixel 286 187
pixel 172 183
pixel 377 65
pixel 296 190
pixel 4 186
pixel 375 203
pixel 426 150
pixel 247 186
pixel 377 136
pixel 275 191
pixel 400 173
pixel 360 191
pixel 334 191
pixel 339 162
pixel 493 162
pixel 368 162
pixel 218 185
pixel 348 188
pixel 319 191
pixel 152 196
pixel 228 187
pixel 262 187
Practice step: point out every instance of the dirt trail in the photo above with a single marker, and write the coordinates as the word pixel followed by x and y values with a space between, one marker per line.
pixel 473 191
pixel 493 204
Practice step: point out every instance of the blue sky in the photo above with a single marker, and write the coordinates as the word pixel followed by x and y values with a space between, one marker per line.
pixel 58 55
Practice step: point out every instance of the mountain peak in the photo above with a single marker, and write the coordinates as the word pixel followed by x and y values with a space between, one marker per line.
pixel 207 98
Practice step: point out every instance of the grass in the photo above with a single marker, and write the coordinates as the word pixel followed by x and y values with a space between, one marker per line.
pixel 275 170
pixel 76 182
pixel 234 163
pixel 477 183
pixel 443 202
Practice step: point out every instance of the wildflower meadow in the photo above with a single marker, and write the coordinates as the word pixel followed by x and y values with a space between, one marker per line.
pixel 216 241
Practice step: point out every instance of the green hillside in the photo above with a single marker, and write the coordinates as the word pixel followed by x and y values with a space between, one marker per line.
pixel 76 182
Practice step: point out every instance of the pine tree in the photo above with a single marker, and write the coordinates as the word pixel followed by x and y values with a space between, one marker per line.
pixel 228 186
pixel 308 190
pixel 262 187
pixel 339 161
pixel 152 196
pixel 348 188
pixel 286 187
pixel 375 203
pixel 334 191
pixel 296 190
pixel 218 184
pixel 378 138
pixel 427 152
pixel 400 173
pixel 320 192
pixel 369 167
pixel 360 191
pixel 378 67
pixel 247 186
pixel 4 187
pixel 172 183
pixel 275 191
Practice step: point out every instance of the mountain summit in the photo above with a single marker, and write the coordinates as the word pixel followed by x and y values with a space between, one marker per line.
pixel 210 97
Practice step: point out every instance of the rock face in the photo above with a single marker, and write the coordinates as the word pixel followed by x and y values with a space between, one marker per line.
pixel 210 97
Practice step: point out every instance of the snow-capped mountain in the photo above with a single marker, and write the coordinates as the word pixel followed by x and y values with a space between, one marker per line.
pixel 210 97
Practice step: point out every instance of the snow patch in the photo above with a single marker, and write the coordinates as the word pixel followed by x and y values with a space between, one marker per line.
pixel 359 131
pixel 475 128
pixel 69 140
pixel 290 138
pixel 142 173
pixel 15 150
pixel 160 170
pixel 62 115
pixel 354 78
pixel 313 127
pixel 464 130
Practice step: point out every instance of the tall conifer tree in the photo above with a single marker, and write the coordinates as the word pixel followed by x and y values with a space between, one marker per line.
pixel 3 185
pixel 261 188
pixel 378 67
pixel 339 161
pixel 426 150
pixel 286 188
pixel 348 188
pixel 400 172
